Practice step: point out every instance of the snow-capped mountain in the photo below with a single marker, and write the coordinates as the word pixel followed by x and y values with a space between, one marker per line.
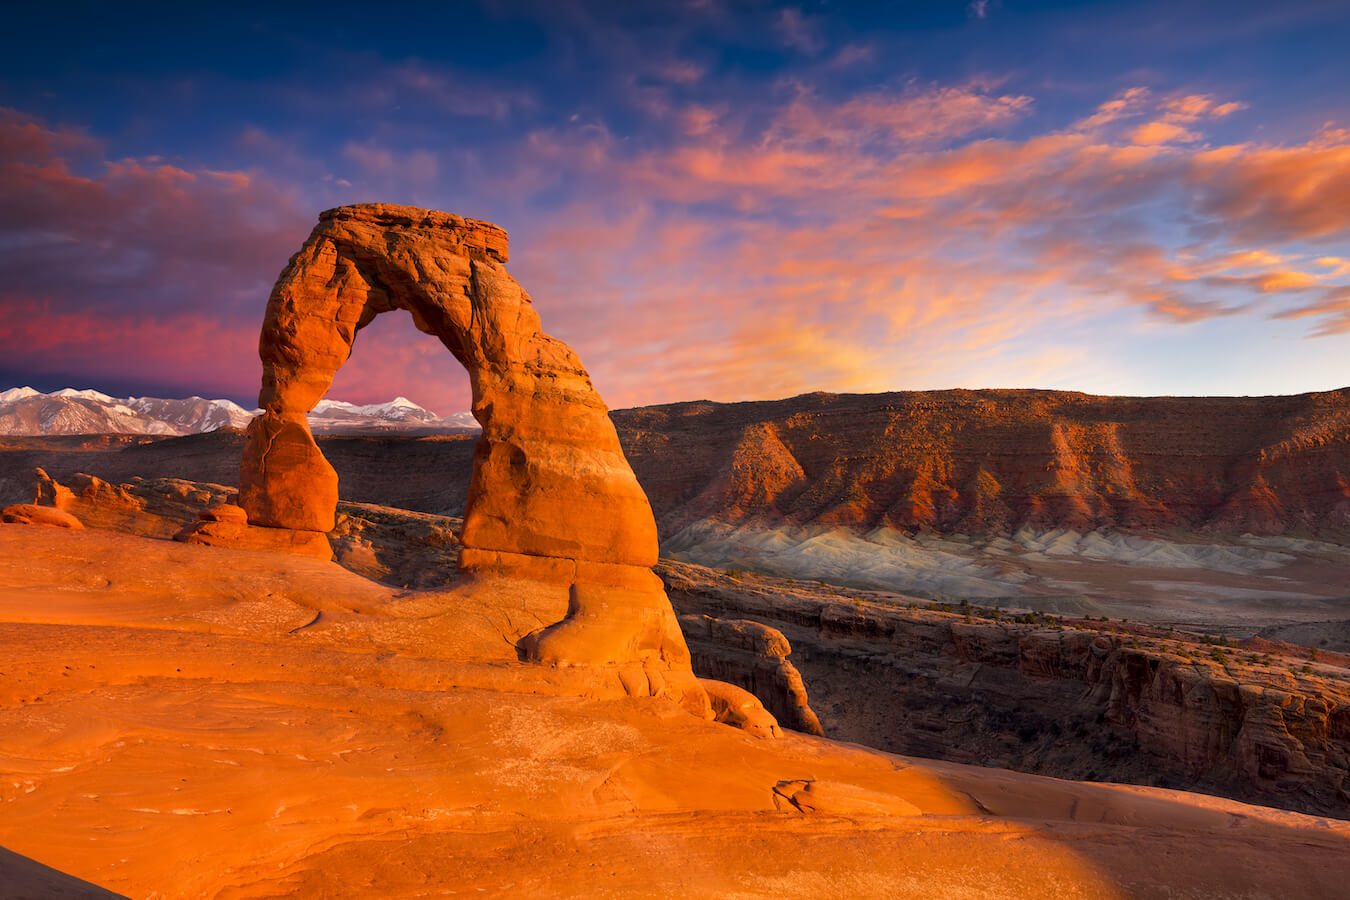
pixel 69 411
pixel 399 414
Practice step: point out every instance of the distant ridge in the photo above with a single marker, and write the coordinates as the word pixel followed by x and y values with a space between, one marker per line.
pixel 25 411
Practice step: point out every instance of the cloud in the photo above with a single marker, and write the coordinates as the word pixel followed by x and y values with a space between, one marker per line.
pixel 1193 107
pixel 882 240
pixel 155 274
pixel 933 114
pixel 1332 311
pixel 416 167
pixel 922 235
pixel 1270 193
pixel 457 92
pixel 1162 133
pixel 1129 103
pixel 105 261
pixel 798 31
pixel 853 54
pixel 681 71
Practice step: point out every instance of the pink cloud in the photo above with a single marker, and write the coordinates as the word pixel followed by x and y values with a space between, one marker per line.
pixel 135 267
pixel 798 31
pixel 859 244
pixel 1128 103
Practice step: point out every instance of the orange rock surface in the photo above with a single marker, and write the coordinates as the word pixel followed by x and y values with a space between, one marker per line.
pixel 549 477
pixel 188 721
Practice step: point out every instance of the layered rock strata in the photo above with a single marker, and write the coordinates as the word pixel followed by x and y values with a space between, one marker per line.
pixel 959 461
pixel 994 461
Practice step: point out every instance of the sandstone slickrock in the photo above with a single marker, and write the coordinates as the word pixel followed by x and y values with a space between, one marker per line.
pixel 737 706
pixel 295 730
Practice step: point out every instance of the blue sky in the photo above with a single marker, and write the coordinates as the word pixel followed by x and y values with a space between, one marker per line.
pixel 720 200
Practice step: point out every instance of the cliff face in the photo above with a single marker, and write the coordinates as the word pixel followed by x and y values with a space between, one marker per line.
pixel 981 461
pixel 1073 702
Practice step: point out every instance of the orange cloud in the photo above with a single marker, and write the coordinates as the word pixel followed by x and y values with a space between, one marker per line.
pixel 1162 133
pixel 1126 104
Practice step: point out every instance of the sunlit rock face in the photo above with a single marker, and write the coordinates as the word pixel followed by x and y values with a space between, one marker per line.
pixel 551 497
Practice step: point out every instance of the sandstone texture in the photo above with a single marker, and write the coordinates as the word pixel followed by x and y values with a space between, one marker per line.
pixel 203 722
pixel 1086 699
pixel 549 476
pixel 754 657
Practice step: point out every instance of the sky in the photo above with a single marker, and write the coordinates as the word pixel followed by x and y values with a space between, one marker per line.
pixel 706 199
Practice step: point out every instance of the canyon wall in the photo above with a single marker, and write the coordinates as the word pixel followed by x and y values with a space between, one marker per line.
pixel 1086 702
pixel 997 460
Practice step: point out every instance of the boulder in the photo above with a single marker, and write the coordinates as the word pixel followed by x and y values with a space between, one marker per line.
pixel 32 514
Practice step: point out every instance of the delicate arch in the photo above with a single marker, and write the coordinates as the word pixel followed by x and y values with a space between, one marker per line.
pixel 552 496
pixel 549 478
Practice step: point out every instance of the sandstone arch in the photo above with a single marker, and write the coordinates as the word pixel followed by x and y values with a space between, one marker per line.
pixel 552 496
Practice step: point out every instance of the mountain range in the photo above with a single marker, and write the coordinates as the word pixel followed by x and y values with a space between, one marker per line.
pixel 25 411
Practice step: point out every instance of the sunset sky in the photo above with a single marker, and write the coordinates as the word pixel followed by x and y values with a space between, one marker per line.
pixel 706 199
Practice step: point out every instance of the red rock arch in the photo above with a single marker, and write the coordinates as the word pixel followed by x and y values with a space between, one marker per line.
pixel 552 496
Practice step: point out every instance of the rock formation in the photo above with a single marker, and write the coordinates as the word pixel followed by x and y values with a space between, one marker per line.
pixel 755 657
pixel 291 729
pixel 964 462
pixel 32 514
pixel 551 497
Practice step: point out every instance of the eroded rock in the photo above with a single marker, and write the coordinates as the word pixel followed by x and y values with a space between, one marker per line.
pixel 755 657
pixel 32 514
pixel 738 707
pixel 551 498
